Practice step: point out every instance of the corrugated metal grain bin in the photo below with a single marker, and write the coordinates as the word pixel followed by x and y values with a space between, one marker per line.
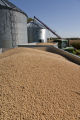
pixel 13 25
pixel 36 32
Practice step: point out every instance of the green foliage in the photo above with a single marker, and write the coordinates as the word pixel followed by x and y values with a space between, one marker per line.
pixel 29 20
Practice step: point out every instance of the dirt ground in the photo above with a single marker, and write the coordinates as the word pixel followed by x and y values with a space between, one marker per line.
pixel 37 85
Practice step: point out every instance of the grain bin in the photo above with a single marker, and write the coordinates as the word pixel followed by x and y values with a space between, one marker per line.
pixel 36 32
pixel 13 25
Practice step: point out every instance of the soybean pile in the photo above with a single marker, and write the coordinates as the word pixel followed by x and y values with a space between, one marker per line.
pixel 38 85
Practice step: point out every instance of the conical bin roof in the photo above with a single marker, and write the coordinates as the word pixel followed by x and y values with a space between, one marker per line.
pixel 8 5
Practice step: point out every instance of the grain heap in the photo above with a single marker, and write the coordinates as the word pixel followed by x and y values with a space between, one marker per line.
pixel 46 43
pixel 37 85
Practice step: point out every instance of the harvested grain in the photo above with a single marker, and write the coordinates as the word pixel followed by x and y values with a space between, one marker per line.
pixel 37 85
pixel 46 43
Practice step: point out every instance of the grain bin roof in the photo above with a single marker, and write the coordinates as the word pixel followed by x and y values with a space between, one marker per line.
pixel 8 5
pixel 36 24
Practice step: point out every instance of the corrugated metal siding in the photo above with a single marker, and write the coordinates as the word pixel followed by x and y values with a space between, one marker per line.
pixel 13 28
pixel 36 33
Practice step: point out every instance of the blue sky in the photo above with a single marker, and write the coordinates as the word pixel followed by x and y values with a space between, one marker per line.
pixel 63 16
